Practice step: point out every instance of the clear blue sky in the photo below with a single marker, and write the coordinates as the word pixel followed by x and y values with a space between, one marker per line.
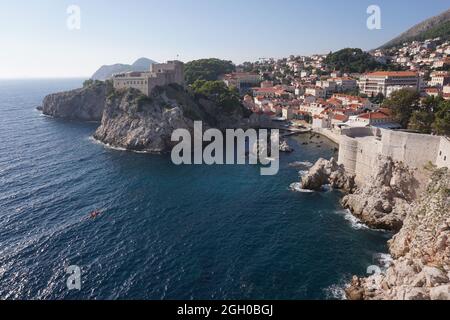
pixel 35 41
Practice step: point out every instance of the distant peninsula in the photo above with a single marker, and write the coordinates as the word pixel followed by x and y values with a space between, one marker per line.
pixel 107 71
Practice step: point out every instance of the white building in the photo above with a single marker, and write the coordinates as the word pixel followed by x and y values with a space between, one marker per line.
pixel 345 83
pixel 439 79
pixel 242 80
pixel 318 92
pixel 379 82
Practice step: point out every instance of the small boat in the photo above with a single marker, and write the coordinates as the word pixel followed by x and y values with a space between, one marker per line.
pixel 94 214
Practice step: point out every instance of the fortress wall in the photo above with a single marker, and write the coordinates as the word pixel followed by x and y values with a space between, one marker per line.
pixel 360 147
pixel 158 80
pixel 443 156
pixel 358 132
pixel 366 159
pixel 415 150
pixel 348 149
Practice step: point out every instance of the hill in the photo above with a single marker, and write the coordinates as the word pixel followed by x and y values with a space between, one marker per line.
pixel 438 26
pixel 106 72
pixel 207 69
pixel 351 60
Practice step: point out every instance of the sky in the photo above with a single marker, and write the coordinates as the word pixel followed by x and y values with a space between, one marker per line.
pixel 35 40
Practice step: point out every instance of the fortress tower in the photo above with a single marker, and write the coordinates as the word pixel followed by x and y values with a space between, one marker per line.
pixel 160 74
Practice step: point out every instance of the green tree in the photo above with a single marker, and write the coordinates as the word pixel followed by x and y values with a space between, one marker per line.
pixel 206 69
pixel 217 91
pixel 403 103
pixel 441 124
pixel 421 121
pixel 352 60
pixel 378 99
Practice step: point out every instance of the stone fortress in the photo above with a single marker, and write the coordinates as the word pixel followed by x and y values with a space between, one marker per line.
pixel 360 147
pixel 160 74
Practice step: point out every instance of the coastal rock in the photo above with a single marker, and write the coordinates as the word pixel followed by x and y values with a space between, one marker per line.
pixel 85 104
pixel 384 200
pixel 135 122
pixel 440 293
pixel 140 123
pixel 327 172
pixel 284 147
pixel 421 251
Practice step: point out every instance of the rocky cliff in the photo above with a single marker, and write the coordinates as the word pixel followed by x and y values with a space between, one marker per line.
pixel 395 200
pixel 384 200
pixel 136 122
pixel 85 104
pixel 421 252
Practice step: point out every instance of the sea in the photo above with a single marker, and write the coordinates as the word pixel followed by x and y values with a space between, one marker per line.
pixel 165 232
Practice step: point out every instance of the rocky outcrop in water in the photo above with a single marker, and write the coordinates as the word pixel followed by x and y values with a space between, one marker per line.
pixel 421 252
pixel 384 200
pixel 381 202
pixel 326 172
pixel 85 104
pixel 284 147
pixel 136 122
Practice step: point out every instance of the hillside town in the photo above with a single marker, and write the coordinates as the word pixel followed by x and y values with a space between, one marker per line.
pixel 303 91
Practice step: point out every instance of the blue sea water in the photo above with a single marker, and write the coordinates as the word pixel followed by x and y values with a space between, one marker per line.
pixel 166 232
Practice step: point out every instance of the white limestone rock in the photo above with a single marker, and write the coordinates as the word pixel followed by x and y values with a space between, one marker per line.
pixel 421 251
pixel 84 104
pixel 326 172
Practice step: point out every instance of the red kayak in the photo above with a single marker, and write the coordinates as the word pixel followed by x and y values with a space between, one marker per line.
pixel 95 214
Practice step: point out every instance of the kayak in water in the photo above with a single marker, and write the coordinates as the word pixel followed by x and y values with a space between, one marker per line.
pixel 95 214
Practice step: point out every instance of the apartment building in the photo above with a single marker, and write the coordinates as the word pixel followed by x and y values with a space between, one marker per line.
pixel 439 79
pixel 379 82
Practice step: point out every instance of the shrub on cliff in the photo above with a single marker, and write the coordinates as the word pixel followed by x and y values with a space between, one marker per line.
pixel 206 69
pixel 352 60
pixel 227 99
pixel 91 83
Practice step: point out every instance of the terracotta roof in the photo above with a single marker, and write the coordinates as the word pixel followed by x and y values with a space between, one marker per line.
pixel 269 90
pixel 386 111
pixel 340 117
pixel 334 101
pixel 374 115
pixel 392 74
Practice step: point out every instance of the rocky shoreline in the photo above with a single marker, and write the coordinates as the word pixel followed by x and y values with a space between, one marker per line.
pixel 132 121
pixel 392 200
pixel 84 104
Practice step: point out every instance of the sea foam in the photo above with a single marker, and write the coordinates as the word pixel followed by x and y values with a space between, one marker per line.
pixel 297 187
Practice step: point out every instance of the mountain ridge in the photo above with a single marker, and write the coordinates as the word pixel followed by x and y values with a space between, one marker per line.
pixel 107 71
pixel 436 26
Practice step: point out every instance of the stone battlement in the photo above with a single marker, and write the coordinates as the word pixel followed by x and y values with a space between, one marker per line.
pixel 160 74
pixel 359 148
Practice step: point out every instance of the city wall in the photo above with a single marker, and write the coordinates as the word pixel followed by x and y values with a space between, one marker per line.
pixel 360 147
